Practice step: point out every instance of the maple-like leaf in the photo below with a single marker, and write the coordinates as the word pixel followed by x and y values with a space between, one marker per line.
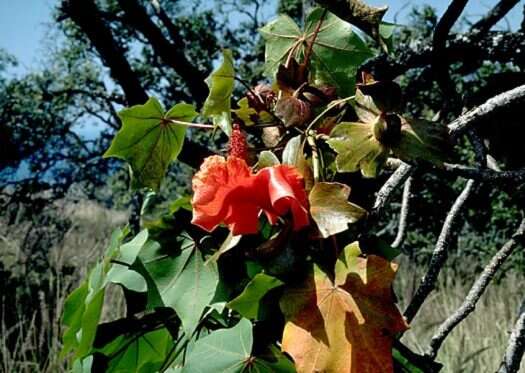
pixel 148 141
pixel 221 83
pixel 344 324
pixel 337 51
pixel 330 208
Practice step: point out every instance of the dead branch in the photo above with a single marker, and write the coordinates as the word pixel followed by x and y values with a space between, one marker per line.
pixel 476 291
pixel 516 346
pixel 403 215
pixel 440 254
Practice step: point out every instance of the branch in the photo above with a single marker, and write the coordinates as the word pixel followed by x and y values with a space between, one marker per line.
pixel 516 347
pixel 494 16
pixel 385 193
pixel 440 254
pixel 403 215
pixel 484 174
pixel 86 15
pixel 477 290
pixel 171 53
pixel 468 48
pixel 439 43
pixel 356 12
pixel 490 107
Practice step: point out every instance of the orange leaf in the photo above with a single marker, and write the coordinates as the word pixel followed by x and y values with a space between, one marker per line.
pixel 346 324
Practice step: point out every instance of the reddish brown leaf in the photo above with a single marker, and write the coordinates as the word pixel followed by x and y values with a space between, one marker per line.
pixel 346 324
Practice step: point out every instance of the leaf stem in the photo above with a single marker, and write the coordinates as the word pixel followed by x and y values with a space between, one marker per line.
pixel 315 155
pixel 329 107
pixel 188 124
pixel 310 44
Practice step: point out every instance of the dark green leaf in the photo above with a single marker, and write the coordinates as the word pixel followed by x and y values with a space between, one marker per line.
pixel 247 303
pixel 224 350
pixel 184 282
pixel 423 140
pixel 336 55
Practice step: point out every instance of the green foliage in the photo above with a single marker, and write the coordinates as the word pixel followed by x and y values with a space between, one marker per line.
pixel 248 302
pixel 357 149
pixel 83 308
pixel 337 51
pixel 137 353
pixel 150 140
pixel 226 350
pixel 181 278
pixel 221 83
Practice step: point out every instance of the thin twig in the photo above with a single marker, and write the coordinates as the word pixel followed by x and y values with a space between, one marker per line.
pixel 484 174
pixel 494 16
pixel 440 254
pixel 476 291
pixel 396 179
pixel 516 346
pixel 494 104
pixel 439 66
pixel 310 138
pixel 403 215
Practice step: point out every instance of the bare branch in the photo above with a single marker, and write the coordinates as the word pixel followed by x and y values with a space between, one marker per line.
pixel 88 17
pixel 172 53
pixel 439 44
pixel 468 48
pixel 490 107
pixel 494 16
pixel 516 347
pixel 403 215
pixel 484 174
pixel 385 193
pixel 440 254
pixel 477 290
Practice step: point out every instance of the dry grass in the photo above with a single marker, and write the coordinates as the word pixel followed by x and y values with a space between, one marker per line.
pixel 479 342
pixel 477 345
pixel 38 334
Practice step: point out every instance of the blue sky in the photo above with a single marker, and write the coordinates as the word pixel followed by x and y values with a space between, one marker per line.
pixel 23 23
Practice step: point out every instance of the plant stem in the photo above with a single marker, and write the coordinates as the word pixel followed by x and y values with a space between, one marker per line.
pixel 310 44
pixel 188 124
pixel 315 155
pixel 329 107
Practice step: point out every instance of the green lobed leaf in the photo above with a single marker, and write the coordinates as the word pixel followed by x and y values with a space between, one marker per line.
pixel 267 159
pixel 141 354
pixel 423 140
pixel 357 148
pixel 224 350
pixel 337 51
pixel 218 104
pixel 83 307
pixel 247 303
pixel 282 35
pixel 229 243
pixel 149 143
pixel 183 280
pixel 330 208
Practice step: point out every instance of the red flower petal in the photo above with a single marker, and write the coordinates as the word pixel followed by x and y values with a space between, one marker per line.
pixel 225 191
pixel 212 185
pixel 285 192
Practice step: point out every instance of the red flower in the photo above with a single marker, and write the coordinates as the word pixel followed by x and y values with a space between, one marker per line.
pixel 226 191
